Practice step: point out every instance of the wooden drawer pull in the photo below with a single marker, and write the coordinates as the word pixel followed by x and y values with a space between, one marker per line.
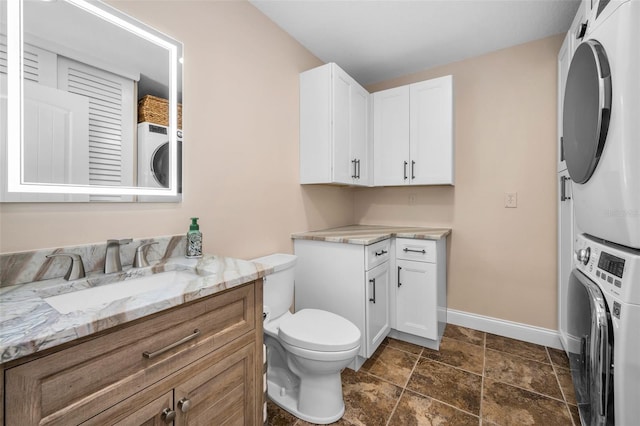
pixel 150 355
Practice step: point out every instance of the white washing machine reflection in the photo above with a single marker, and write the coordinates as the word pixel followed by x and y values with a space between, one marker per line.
pixel 154 160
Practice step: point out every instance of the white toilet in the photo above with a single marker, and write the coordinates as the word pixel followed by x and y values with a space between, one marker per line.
pixel 306 351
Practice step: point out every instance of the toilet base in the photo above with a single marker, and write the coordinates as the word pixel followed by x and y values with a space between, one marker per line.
pixel 288 401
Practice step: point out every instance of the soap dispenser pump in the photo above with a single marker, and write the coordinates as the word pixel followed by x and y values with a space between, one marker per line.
pixel 194 240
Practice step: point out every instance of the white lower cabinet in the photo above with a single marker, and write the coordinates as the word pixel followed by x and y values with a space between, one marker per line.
pixel 420 302
pixel 350 280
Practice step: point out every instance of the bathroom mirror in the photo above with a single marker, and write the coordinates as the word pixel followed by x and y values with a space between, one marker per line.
pixel 77 78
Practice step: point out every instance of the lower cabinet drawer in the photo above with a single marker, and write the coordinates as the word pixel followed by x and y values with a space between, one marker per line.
pixel 376 254
pixel 418 250
pixel 71 386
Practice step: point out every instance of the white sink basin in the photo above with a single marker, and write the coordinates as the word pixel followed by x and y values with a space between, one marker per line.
pixel 101 296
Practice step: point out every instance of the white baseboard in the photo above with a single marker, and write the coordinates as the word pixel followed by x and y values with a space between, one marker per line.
pixel 514 330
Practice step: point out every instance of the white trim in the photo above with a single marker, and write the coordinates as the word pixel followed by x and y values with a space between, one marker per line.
pixel 514 330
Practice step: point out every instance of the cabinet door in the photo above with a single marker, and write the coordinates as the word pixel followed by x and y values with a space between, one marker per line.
pixel 220 390
pixel 431 135
pixel 343 172
pixel 138 411
pixel 416 299
pixel 360 150
pixel 391 136
pixel 377 311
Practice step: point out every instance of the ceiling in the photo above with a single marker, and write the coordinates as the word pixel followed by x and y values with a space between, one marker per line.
pixel 376 40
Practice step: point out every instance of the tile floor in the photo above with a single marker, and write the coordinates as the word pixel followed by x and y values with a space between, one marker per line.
pixel 475 378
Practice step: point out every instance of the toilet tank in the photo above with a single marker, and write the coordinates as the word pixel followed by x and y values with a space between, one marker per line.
pixel 278 286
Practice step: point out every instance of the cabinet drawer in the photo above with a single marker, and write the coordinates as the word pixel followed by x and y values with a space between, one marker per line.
pixel 72 385
pixel 377 253
pixel 418 250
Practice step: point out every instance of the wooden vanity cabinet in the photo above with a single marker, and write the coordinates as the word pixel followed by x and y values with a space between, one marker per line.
pixel 125 377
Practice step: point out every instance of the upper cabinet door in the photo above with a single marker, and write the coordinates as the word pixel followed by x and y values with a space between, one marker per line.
pixel 341 87
pixel 361 143
pixel 391 136
pixel 431 134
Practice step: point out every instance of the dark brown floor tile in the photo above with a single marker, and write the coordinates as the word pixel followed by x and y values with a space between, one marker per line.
pixel 403 346
pixel 559 358
pixel 276 416
pixel 391 364
pixel 566 383
pixel 507 405
pixel 517 347
pixel 458 354
pixel 447 384
pixel 368 400
pixel 419 410
pixel 521 372
pixel 467 335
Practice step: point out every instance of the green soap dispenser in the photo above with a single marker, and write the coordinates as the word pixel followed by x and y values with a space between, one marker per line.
pixel 194 240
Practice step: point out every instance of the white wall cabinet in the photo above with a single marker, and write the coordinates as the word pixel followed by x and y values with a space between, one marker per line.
pixel 420 288
pixel 335 146
pixel 413 134
pixel 342 278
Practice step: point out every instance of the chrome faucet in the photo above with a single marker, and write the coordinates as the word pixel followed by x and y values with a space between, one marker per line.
pixel 112 261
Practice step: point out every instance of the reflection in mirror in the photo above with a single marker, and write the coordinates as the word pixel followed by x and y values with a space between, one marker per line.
pixel 98 116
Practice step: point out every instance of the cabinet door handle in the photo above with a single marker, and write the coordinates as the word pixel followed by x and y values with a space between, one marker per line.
pixel 373 281
pixel 358 163
pixel 405 170
pixel 563 188
pixel 184 404
pixel 413 166
pixel 381 252
pixel 414 251
pixel 399 269
pixel 355 174
pixel 149 355
pixel 168 415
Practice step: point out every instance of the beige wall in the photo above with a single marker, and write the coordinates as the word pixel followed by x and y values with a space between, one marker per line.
pixel 502 262
pixel 241 145
pixel 241 164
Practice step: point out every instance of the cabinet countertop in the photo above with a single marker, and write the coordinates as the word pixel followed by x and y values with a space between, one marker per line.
pixel 28 324
pixel 369 234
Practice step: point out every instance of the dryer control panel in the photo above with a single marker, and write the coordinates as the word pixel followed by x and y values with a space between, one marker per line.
pixel 616 269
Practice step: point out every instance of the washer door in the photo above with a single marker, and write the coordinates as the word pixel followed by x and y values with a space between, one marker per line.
pixel 590 349
pixel 160 165
pixel 587 110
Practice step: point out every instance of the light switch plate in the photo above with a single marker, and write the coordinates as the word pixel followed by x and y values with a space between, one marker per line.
pixel 511 200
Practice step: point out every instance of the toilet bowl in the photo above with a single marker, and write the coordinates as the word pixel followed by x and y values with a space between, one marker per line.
pixel 306 351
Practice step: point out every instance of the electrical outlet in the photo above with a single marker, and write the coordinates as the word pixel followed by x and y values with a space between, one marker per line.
pixel 511 200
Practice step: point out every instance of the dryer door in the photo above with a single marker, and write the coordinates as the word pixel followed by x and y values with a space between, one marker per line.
pixel 590 345
pixel 587 110
pixel 160 163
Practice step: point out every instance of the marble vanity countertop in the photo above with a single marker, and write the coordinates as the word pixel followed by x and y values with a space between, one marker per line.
pixel 28 324
pixel 369 234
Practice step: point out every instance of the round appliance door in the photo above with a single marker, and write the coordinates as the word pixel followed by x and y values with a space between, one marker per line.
pixel 587 110
pixel 160 163
pixel 590 349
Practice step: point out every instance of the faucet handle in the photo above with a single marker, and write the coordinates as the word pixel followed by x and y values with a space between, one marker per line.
pixel 140 260
pixel 76 269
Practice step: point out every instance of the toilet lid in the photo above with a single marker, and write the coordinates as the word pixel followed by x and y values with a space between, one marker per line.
pixel 319 330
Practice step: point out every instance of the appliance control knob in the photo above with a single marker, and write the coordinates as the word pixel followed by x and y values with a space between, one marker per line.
pixel 583 255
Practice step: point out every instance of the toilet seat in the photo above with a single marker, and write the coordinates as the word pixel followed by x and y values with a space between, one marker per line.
pixel 317 330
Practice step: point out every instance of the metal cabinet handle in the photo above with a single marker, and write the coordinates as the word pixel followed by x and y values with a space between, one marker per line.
pixel 168 415
pixel 563 188
pixel 355 174
pixel 358 163
pixel 184 404
pixel 414 251
pixel 381 252
pixel 373 281
pixel 413 166
pixel 405 170
pixel 399 269
pixel 149 355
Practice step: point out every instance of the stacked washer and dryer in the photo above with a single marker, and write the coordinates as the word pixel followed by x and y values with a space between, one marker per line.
pixel 601 131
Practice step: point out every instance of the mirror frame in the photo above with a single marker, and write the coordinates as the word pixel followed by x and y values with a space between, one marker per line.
pixel 15 121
